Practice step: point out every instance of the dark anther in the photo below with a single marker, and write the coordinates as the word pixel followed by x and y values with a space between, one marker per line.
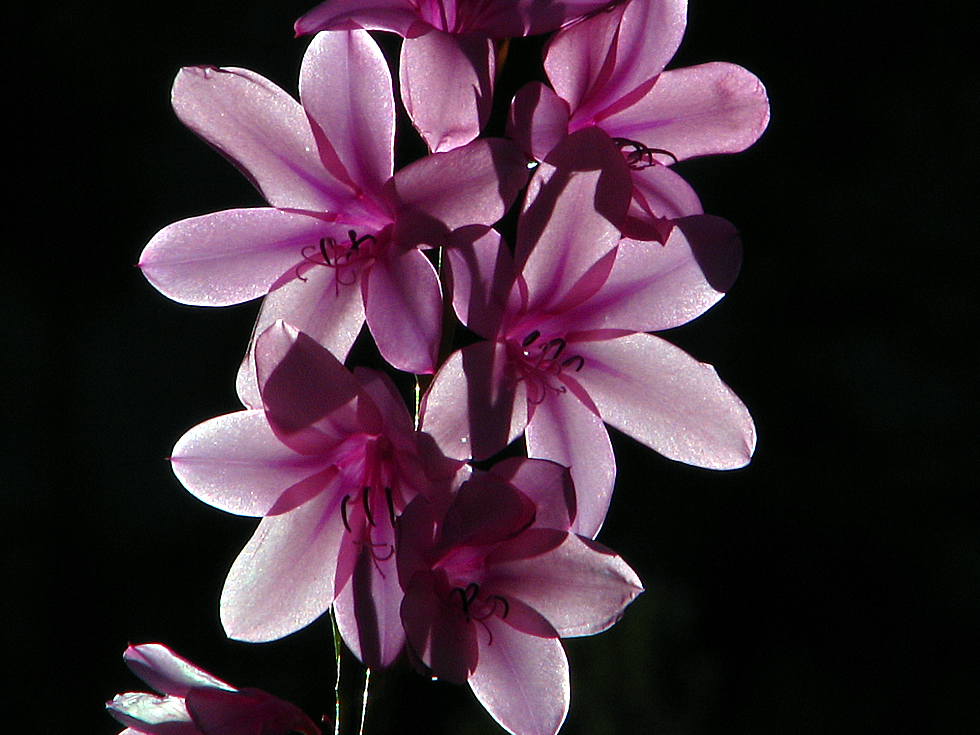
pixel 343 511
pixel 367 506
pixel 641 156
pixel 503 601
pixel 558 343
pixel 391 505
pixel 386 557
pixel 529 340
pixel 356 241
pixel 577 360
pixel 466 596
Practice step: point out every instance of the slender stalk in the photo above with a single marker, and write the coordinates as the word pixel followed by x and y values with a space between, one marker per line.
pixel 364 700
pixel 336 685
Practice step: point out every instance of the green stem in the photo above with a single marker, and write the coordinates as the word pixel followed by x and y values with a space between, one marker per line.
pixel 336 686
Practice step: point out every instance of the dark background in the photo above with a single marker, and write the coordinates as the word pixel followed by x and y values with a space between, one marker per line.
pixel 832 587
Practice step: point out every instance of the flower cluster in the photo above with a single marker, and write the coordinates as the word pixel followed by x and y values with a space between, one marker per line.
pixel 378 514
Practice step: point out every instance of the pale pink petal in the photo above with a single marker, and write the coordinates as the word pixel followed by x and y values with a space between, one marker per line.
pixel 397 16
pixel 548 485
pixel 167 672
pixel 654 286
pixel 472 185
pixel 484 511
pixel 311 400
pixel 608 59
pixel 284 577
pixel 521 679
pixel 368 608
pixel 473 407
pixel 403 309
pixel 664 398
pixel 264 131
pixel 236 464
pixel 538 120
pixel 330 312
pixel 580 586
pixel 447 86
pixel 345 87
pixel 395 421
pixel 232 256
pixel 566 431
pixel 575 202
pixel 659 197
pixel 481 272
pixel 697 111
pixel 147 714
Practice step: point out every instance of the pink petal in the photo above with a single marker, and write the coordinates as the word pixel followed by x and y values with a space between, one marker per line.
pixel 167 672
pixel 284 577
pixel 521 679
pixel 664 398
pixel 345 87
pixel 246 712
pixel 473 407
pixel 659 197
pixel 264 131
pixel 605 60
pixel 447 86
pixel 482 273
pixel 232 256
pixel 311 401
pixel 566 431
pixel 396 422
pixel 236 464
pixel 654 286
pixel 697 111
pixel 147 714
pixel 397 16
pixel 403 309
pixel 548 485
pixel 538 120
pixel 472 185
pixel 330 312
pixel 581 587
pixel 484 511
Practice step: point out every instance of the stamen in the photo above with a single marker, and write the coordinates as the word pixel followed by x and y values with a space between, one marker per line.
pixel 577 359
pixel 641 156
pixel 556 342
pixel 343 512
pixel 391 505
pixel 530 339
pixel 367 506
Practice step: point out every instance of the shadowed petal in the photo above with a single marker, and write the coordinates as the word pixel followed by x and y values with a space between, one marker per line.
pixel 397 16
pixel 521 679
pixel 236 464
pixel 538 120
pixel 547 484
pixel 659 197
pixel 697 111
pixel 345 86
pixel 482 273
pixel 284 577
pixel 664 398
pixel 231 256
pixel 264 131
pixel 447 86
pixel 167 672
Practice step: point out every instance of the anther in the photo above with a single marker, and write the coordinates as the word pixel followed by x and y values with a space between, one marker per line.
pixel 391 505
pixel 343 511
pixel 557 342
pixel 531 338
pixel 367 506
pixel 577 360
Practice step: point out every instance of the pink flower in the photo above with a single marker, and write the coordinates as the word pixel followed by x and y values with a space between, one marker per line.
pixel 608 71
pixel 448 61
pixel 492 583
pixel 328 464
pixel 565 325
pixel 341 240
pixel 195 703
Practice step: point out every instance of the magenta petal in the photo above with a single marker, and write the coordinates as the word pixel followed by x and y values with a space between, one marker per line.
pixel 697 111
pixel 397 16
pixel 236 464
pixel 484 511
pixel 284 577
pixel 664 398
pixel 521 679
pixel 167 672
pixel 547 484
pixel 581 587
pixel 230 257
pixel 538 120
pixel 403 309
pixel 332 313
pixel 264 131
pixel 566 431
pixel 447 86
pixel 482 273
pixel 345 86
pixel 473 407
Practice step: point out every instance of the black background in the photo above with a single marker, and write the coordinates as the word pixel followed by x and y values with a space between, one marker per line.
pixel 832 587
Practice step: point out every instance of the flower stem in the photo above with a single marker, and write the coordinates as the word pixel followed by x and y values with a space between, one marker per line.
pixel 336 685
pixel 364 700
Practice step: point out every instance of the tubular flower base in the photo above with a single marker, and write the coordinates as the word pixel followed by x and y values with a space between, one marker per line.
pixel 192 702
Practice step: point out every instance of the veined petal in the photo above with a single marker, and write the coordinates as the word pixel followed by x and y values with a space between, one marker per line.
pixel 474 408
pixel 521 679
pixel 538 120
pixel 284 577
pixel 697 111
pixel 580 586
pixel 403 308
pixel 396 16
pixel 231 256
pixel 345 87
pixel 566 431
pixel 472 185
pixel 447 86
pixel 264 131
pixel 167 672
pixel 664 398
pixel 236 464
pixel 318 305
